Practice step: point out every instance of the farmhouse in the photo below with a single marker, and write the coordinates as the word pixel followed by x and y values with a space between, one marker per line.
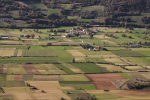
pixel 4 37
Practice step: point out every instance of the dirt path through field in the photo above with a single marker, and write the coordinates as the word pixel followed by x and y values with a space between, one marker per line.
pixel 126 61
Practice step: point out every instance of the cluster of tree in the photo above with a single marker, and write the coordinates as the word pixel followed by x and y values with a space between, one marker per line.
pixel 124 35
pixel 144 37
pixel 31 35
pixel 65 11
pixel 50 3
pixel 89 14
pixel 145 19
pixel 109 35
pixel 59 30
pixel 138 84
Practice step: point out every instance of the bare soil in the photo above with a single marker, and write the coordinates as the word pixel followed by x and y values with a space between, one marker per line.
pixel 26 41
pixel 103 81
pixel 30 69
pixel 18 77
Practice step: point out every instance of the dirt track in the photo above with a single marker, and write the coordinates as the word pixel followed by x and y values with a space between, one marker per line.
pixel 26 41
pixel 30 69
pixel 103 81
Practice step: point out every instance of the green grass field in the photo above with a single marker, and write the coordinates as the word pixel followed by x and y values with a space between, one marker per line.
pixel 89 67
pixel 125 75
pixel 39 5
pixel 96 60
pixel 139 60
pixel 62 47
pixel 2 77
pixel 127 53
pixel 12 84
pixel 65 69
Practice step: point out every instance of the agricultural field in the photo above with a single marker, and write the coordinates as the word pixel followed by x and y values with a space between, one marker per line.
pixel 76 53
pixel 116 61
pixel 127 53
pixel 89 68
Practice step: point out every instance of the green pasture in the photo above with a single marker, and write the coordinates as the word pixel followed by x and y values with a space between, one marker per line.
pixel 52 10
pixel 62 47
pixel 34 53
pixel 127 53
pixel 114 48
pixel 72 17
pixel 104 96
pixel 65 69
pixel 139 60
pixel 2 77
pixel 85 20
pixel 89 67
pixel 14 60
pixel 96 60
pixel 125 75
pixel 35 47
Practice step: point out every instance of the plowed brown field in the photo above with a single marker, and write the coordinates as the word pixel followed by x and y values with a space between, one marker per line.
pixel 18 77
pixel 103 81
pixel 30 69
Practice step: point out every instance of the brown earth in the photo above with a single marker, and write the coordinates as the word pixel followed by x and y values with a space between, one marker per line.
pixel 30 69
pixel 26 41
pixel 133 93
pixel 18 77
pixel 1 68
pixel 103 81
pixel 5 94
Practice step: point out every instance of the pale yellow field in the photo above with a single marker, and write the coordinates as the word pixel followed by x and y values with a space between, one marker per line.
pixel 19 53
pixel 78 77
pixel 47 77
pixel 17 90
pixel 113 67
pixel 7 52
pixel 116 61
pixel 76 53
pixel 74 69
pixel 80 59
pixel 53 69
pixel 134 68
pixel 102 56
pixel 41 68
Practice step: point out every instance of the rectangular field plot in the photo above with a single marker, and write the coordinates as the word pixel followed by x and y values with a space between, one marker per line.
pixel 103 81
pixel 114 48
pixel 73 68
pixel 96 60
pixel 62 47
pixel 12 84
pixel 112 68
pixel 18 77
pixel 80 59
pixel 47 78
pixel 139 60
pixel 10 78
pixel 3 77
pixel 27 77
pixel 89 67
pixel 15 69
pixel 144 51
pixel 36 53
pixel 78 77
pixel 30 69
pixel 41 68
pixel 135 68
pixel 102 56
pixel 53 69
pixel 127 53
pixel 76 53
pixel 19 53
pixel 65 69
pixel 17 90
pixel 116 61
pixel 7 52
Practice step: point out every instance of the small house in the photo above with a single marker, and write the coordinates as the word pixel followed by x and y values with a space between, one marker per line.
pixel 135 46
